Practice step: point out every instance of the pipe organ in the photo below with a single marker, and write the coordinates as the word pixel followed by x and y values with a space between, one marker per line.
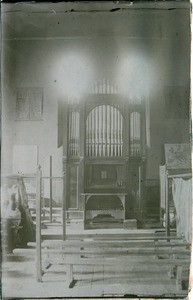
pixel 104 132
pixel 105 158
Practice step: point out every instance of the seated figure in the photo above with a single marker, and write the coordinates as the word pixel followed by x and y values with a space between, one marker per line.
pixel 11 216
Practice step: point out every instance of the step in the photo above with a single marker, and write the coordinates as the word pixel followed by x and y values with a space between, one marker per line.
pixel 72 214
pixel 53 209
pixel 51 225
pixel 24 251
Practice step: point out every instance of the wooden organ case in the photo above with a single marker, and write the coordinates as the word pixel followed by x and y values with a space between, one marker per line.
pixel 105 162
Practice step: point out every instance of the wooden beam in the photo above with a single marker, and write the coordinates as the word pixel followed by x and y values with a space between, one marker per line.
pixel 180 175
pixel 130 244
pixel 120 237
pixel 76 260
pixel 116 252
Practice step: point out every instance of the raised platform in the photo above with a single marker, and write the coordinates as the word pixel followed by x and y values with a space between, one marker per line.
pixel 130 224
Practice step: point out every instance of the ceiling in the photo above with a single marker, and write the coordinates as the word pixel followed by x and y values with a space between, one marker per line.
pixel 161 19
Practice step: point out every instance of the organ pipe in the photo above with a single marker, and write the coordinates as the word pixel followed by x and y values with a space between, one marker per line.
pixel 104 123
pixel 73 134
pixel 135 146
pixel 104 131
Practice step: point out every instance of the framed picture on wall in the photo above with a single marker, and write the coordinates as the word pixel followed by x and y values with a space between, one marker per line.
pixel 176 102
pixel 29 104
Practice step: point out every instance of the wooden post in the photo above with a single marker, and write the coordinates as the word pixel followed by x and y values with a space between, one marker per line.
pixel 43 201
pixel 69 273
pixel 167 206
pixel 85 211
pixel 126 129
pixel 179 279
pixel 50 189
pixel 38 225
pixel 139 204
pixel 82 155
pixel 64 203
pixel 65 158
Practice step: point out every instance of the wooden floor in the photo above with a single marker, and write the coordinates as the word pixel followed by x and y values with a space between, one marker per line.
pixel 92 281
pixel 19 279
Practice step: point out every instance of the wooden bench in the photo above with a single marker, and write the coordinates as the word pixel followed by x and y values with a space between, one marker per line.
pixel 104 237
pixel 162 251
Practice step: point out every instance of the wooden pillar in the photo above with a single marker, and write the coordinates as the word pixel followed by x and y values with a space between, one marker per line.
pixel 69 273
pixel 64 202
pixel 139 178
pixel 65 154
pixel 38 224
pixel 126 131
pixel 143 187
pixel 143 132
pixel 147 121
pixel 50 189
pixel 82 155
pixel 167 206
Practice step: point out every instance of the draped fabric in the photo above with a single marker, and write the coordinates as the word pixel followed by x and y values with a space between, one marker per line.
pixel 182 196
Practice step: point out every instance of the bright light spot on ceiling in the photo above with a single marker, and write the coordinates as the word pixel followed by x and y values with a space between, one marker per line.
pixel 75 75
pixel 135 76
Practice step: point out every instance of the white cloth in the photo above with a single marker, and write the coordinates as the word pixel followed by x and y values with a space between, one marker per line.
pixel 13 214
pixel 182 196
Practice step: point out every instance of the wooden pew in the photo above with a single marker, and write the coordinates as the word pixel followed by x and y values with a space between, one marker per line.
pixel 105 237
pixel 83 257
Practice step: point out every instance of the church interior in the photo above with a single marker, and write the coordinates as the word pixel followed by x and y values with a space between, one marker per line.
pixel 96 149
